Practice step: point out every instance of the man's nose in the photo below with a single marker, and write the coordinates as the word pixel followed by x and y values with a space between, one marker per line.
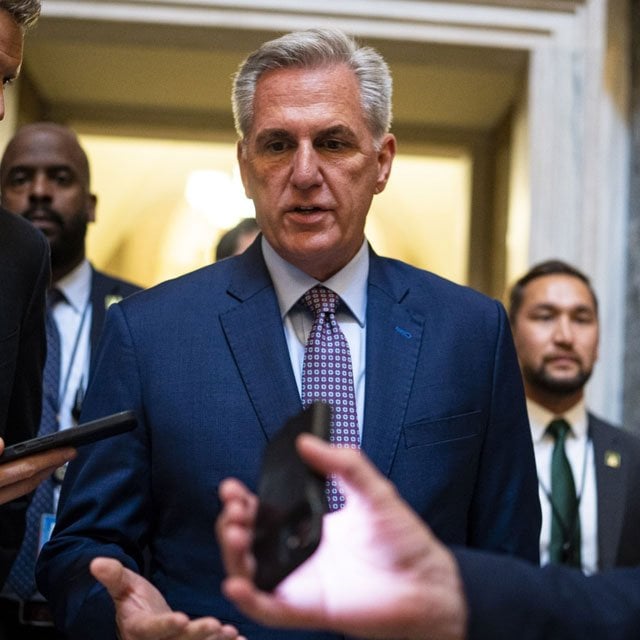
pixel 306 171
pixel 563 330
pixel 40 187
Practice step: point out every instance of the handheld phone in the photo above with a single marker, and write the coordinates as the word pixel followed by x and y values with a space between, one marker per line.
pixel 75 437
pixel 292 500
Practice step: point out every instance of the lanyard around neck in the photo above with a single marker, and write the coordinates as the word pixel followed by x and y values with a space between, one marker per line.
pixel 74 351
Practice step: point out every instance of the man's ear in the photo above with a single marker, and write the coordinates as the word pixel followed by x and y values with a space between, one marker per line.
pixel 241 155
pixel 386 154
pixel 91 207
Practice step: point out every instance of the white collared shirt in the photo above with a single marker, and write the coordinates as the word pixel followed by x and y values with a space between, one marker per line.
pixel 350 283
pixel 73 317
pixel 579 450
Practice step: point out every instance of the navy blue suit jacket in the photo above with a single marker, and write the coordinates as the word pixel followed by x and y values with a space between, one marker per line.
pixel 204 362
pixel 512 599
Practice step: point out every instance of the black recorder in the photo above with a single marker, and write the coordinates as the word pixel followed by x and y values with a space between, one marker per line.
pixel 74 437
pixel 292 500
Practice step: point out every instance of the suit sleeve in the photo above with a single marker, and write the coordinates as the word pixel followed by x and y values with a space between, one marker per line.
pixel 104 508
pixel 25 396
pixel 25 404
pixel 509 598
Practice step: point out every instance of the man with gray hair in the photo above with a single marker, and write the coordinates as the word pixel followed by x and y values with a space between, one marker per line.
pixel 422 373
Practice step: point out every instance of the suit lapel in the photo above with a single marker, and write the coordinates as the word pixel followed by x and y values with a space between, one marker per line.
pixel 611 491
pixel 394 336
pixel 256 338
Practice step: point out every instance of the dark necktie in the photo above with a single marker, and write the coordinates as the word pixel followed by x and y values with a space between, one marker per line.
pixel 327 374
pixel 564 547
pixel 21 577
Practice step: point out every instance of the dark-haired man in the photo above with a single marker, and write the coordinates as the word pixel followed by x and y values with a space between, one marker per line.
pixel 554 319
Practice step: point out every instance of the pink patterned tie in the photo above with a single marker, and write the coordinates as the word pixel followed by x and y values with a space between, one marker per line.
pixel 327 375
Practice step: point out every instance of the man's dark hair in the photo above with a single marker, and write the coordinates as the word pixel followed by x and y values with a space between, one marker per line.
pixel 228 243
pixel 24 12
pixel 547 268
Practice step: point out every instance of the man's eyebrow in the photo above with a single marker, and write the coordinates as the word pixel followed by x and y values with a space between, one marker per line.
pixel 549 306
pixel 272 133
pixel 337 130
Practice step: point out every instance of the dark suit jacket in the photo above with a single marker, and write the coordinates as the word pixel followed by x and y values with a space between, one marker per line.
pixel 512 599
pixel 24 278
pixel 617 465
pixel 203 360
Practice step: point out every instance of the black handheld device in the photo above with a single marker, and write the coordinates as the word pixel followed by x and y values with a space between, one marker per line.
pixel 75 437
pixel 292 500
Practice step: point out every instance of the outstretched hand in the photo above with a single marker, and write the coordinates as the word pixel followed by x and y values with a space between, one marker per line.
pixel 19 477
pixel 142 613
pixel 378 573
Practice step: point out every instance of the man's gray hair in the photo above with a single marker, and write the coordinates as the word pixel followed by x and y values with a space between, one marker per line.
pixel 313 49
pixel 24 12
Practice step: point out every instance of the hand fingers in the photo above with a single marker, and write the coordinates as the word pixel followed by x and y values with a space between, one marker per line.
pixel 234 527
pixel 351 465
pixel 267 608
pixel 34 466
pixel 207 629
pixel 111 574
pixel 17 489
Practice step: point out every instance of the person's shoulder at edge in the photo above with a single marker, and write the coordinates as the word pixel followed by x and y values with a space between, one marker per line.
pixel 14 226
pixel 425 283
pixel 212 279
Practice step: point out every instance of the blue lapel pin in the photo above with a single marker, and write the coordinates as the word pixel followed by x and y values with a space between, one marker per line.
pixel 404 333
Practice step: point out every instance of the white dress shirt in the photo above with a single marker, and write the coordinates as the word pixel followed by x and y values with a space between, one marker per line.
pixel 579 450
pixel 350 283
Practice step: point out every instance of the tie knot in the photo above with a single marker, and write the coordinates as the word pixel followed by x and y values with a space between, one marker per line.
pixel 558 429
pixel 321 300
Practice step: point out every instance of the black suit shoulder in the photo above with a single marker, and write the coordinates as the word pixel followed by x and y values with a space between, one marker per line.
pixel 600 426
pixel 105 291
pixel 24 278
pixel 617 466
pixel 509 599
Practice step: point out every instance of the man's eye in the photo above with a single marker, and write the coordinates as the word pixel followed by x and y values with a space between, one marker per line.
pixel 17 179
pixel 63 179
pixel 276 146
pixel 334 145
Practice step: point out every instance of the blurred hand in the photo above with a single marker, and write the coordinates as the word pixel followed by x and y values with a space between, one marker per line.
pixel 142 613
pixel 379 571
pixel 22 476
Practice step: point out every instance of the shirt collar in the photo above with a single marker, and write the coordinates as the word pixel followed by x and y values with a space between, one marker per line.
pixel 76 286
pixel 290 283
pixel 540 417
